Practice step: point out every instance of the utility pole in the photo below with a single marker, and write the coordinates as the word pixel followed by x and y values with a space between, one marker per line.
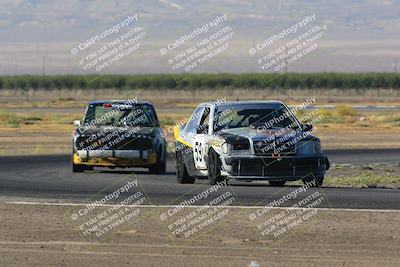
pixel 286 60
pixel 44 66
pixel 394 64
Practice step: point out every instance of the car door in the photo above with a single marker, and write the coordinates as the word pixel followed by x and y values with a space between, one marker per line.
pixel 200 139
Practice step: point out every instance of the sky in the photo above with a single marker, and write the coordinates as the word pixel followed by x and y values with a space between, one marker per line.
pixel 36 36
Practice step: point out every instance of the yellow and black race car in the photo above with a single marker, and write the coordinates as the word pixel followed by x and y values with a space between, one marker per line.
pixel 119 134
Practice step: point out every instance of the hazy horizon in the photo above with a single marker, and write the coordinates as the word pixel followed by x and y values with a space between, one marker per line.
pixel 360 36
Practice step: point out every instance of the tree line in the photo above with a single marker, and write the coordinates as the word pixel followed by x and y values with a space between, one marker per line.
pixel 206 81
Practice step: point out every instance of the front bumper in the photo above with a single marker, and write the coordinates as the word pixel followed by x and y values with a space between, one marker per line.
pixel 269 168
pixel 115 158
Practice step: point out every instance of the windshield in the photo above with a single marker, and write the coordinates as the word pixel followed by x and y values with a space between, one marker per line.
pixel 119 115
pixel 266 116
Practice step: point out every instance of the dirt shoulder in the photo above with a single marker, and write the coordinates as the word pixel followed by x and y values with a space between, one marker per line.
pixel 45 235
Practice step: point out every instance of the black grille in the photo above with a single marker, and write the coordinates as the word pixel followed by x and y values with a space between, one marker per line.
pixel 132 144
pixel 268 167
pixel 263 148
pixel 114 143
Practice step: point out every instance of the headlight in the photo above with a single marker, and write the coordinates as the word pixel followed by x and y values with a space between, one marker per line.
pixel 236 144
pixel 309 148
pixel 225 148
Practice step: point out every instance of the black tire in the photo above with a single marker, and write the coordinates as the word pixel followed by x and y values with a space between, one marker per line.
pixel 81 167
pixel 161 165
pixel 318 181
pixel 158 168
pixel 182 175
pixel 214 168
pixel 277 183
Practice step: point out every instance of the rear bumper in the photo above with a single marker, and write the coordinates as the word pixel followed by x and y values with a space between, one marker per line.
pixel 268 168
pixel 115 158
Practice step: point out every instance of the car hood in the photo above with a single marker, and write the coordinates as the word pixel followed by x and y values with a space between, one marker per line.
pixel 104 130
pixel 268 134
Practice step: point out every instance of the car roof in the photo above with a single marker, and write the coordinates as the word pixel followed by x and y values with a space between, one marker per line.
pixel 132 101
pixel 231 103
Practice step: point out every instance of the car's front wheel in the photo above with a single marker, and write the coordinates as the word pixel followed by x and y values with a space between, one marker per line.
pixel 182 174
pixel 161 165
pixel 158 168
pixel 81 167
pixel 214 168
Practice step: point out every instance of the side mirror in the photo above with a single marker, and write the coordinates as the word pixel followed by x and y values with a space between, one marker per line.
pixel 307 127
pixel 77 123
pixel 198 129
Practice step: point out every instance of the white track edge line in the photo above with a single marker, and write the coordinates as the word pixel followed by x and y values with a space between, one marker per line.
pixel 194 206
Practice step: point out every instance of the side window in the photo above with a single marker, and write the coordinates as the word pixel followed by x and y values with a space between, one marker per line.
pixel 191 125
pixel 203 125
pixel 151 114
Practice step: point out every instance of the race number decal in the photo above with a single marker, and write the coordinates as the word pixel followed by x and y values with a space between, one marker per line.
pixel 198 154
pixel 199 146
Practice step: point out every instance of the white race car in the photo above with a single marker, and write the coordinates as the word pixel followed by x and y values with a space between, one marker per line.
pixel 247 141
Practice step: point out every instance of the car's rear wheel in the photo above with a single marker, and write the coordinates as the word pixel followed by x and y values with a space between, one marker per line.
pixel 277 183
pixel 182 174
pixel 214 168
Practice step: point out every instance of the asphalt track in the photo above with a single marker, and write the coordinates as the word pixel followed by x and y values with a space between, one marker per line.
pixel 49 178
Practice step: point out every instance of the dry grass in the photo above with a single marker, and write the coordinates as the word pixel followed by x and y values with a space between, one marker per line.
pixel 72 98
pixel 362 180
pixel 365 180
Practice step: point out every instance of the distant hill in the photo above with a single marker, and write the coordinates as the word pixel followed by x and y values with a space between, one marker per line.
pixel 360 35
